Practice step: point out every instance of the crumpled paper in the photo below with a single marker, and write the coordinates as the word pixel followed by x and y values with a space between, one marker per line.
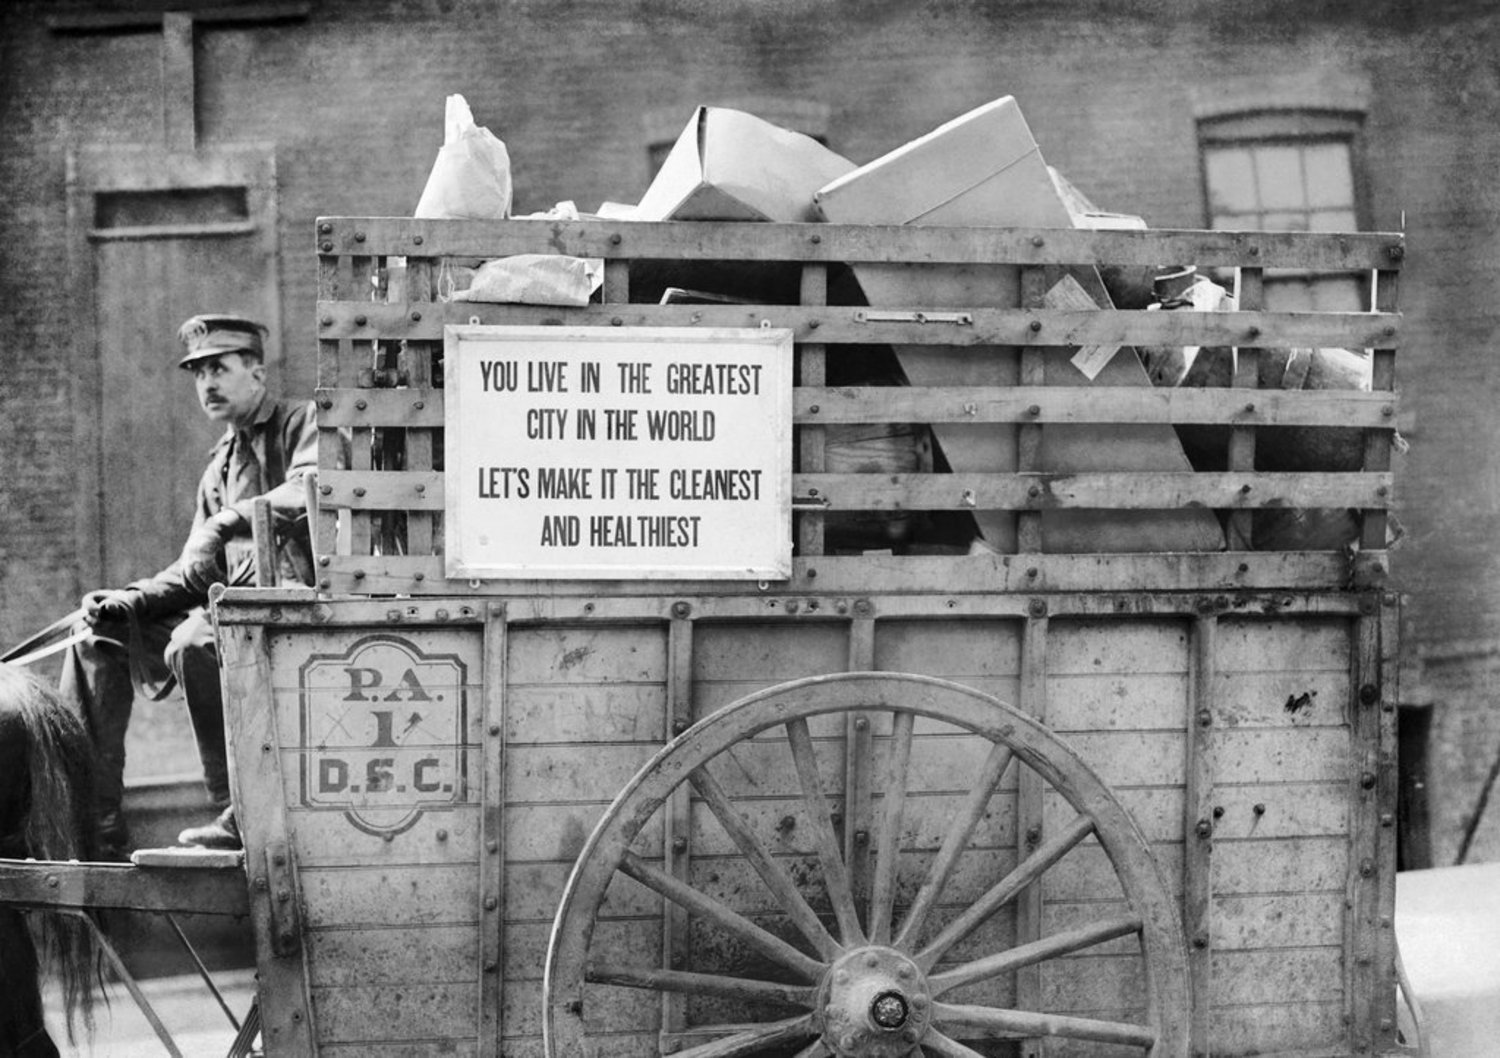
pixel 535 278
pixel 470 179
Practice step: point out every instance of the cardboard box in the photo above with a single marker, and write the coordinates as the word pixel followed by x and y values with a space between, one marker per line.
pixel 984 169
pixel 729 165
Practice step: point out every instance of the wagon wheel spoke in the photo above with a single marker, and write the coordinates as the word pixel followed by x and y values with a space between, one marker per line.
pixel 772 873
pixel 752 1040
pixel 997 1023
pixel 888 841
pixel 1035 952
pixel 945 1047
pixel 830 856
pixel 684 895
pixel 700 984
pixel 1005 890
pixel 955 841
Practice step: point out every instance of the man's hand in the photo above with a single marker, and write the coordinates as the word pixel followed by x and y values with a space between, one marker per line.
pixel 110 605
pixel 202 558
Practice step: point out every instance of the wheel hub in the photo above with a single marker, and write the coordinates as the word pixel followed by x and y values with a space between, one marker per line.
pixel 874 1004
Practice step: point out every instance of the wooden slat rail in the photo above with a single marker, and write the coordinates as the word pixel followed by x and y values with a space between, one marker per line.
pixel 840 243
pixel 842 324
pixel 1245 490
pixel 55 884
pixel 855 575
pixel 815 405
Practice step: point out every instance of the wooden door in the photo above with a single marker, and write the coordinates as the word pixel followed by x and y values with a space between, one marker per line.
pixel 168 236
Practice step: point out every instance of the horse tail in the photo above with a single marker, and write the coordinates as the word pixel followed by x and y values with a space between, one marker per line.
pixel 58 825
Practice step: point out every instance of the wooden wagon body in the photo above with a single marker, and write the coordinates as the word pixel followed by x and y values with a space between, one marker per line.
pixel 1002 800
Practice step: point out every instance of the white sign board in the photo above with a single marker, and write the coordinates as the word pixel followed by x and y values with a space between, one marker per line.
pixel 617 452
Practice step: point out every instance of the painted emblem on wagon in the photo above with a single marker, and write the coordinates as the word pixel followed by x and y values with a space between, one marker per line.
pixel 383 732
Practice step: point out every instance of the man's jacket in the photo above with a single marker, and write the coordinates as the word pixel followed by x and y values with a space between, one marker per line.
pixel 285 441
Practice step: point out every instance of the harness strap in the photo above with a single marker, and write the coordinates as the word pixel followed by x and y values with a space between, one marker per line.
pixel 140 678
pixel 135 649
pixel 36 646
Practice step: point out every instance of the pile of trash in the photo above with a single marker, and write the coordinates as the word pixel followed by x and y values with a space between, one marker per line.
pixel 981 169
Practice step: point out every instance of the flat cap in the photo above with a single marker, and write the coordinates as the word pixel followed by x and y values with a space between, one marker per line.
pixel 210 334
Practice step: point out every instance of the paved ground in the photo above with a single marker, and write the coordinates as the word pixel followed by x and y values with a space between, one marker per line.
pixel 1448 926
pixel 185 1006
pixel 1447 922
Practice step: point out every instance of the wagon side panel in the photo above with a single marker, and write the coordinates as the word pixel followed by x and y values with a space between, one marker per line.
pixel 382 780
pixel 584 709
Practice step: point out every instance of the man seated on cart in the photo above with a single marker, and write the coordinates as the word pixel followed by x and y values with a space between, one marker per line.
pixel 157 631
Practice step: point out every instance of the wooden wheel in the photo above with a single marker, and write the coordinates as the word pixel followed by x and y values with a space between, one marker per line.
pixel 862 976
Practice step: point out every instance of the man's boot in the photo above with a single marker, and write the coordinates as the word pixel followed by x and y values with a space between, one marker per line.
pixel 222 833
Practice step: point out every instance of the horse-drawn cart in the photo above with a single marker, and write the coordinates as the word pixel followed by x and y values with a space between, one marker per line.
pixel 1017 739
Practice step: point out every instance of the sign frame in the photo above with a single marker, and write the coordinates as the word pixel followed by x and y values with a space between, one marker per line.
pixel 755 539
pixel 398 732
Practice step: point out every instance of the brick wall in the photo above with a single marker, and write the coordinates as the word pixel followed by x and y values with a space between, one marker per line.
pixel 352 98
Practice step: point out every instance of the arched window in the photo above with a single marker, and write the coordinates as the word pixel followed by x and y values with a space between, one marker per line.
pixel 1286 153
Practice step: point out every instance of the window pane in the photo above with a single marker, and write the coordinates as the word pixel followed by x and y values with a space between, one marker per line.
pixel 1330 178
pixel 1236 222
pixel 1285 222
pixel 1339 294
pixel 1320 294
pixel 1231 181
pixel 1278 171
pixel 1332 220
pixel 1288 295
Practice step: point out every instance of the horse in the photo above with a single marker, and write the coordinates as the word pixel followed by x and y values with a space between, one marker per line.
pixel 46 813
